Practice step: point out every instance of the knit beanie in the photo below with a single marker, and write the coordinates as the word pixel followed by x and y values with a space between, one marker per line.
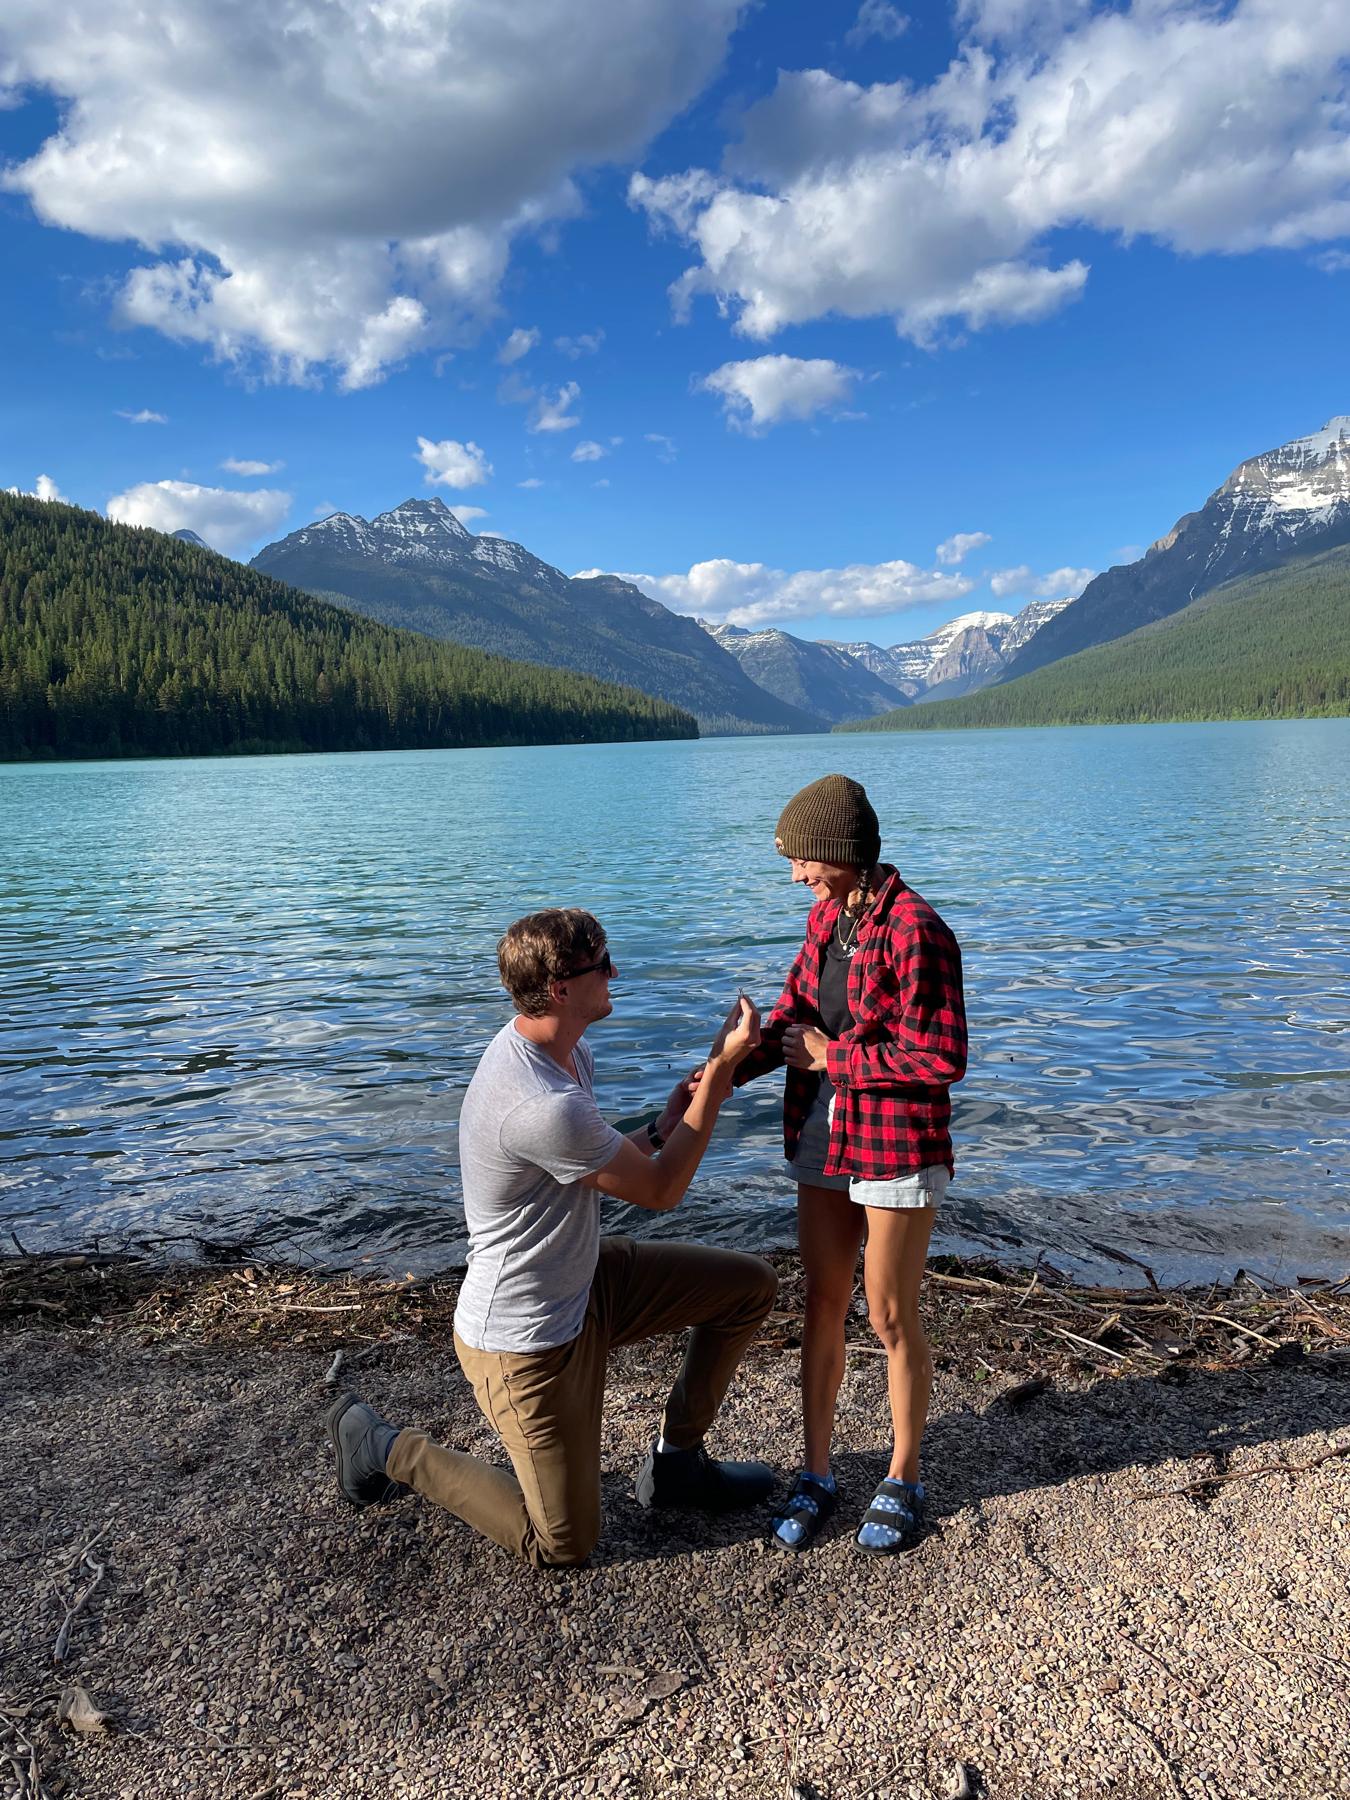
pixel 831 821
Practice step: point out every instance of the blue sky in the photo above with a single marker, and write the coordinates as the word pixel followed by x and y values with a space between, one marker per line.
pixel 1032 275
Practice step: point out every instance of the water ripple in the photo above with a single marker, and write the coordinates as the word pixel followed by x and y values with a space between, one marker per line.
pixel 242 999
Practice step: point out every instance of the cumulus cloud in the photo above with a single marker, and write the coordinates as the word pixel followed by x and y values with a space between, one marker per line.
pixel 584 345
pixel 452 464
pixel 531 481
pixel 753 594
pixel 556 414
pixel 1208 128
pixel 589 451
pixel 467 514
pixel 520 343
pixel 769 389
pixel 143 417
pixel 876 19
pixel 957 548
pixel 342 184
pixel 43 489
pixel 226 518
pixel 666 448
pixel 242 465
pixel 1054 586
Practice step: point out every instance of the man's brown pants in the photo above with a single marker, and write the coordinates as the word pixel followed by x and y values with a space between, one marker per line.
pixel 545 1405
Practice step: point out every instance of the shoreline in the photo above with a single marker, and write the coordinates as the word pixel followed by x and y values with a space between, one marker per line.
pixel 1133 1581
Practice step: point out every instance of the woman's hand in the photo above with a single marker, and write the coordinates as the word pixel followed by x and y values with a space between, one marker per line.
pixel 805 1047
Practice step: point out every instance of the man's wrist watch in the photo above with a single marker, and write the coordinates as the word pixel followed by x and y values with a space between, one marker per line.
pixel 654 1137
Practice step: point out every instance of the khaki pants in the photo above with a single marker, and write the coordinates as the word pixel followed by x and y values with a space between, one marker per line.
pixel 545 1405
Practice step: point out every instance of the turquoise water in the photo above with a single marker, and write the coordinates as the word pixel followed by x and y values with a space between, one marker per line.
pixel 242 998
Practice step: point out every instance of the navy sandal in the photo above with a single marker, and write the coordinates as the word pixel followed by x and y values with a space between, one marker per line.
pixel 808 1506
pixel 893 1520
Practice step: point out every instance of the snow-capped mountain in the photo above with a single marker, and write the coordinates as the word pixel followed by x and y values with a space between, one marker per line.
pixel 418 567
pixel 827 683
pixel 965 654
pixel 1285 503
pixel 419 533
pixel 190 537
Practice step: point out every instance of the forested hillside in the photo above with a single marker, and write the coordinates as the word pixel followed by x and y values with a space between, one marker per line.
pixel 124 642
pixel 1272 646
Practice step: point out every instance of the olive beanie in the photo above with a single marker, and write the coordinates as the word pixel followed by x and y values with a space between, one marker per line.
pixel 831 821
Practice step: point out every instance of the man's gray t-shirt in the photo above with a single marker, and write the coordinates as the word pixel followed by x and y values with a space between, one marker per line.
pixel 528 1134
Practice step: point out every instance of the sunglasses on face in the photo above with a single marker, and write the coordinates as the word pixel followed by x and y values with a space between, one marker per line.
pixel 605 966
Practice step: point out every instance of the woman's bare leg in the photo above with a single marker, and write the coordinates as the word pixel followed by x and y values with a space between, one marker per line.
pixel 829 1232
pixel 897 1246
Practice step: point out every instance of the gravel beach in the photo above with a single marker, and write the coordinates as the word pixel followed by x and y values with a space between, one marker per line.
pixel 1071 1625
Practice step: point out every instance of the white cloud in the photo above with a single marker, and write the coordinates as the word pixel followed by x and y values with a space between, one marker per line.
pixel 876 19
pixel 1206 127
pixel 467 514
pixel 586 344
pixel 602 483
pixel 227 518
pixel 340 184
pixel 520 343
pixel 531 481
pixel 666 448
pixel 556 414
pixel 769 389
pixel 143 417
pixel 452 464
pixel 1333 262
pixel 244 466
pixel 957 548
pixel 43 489
pixel 1054 586
pixel 753 594
pixel 589 451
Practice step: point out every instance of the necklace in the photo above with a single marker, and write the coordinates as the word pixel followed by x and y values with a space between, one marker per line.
pixel 848 942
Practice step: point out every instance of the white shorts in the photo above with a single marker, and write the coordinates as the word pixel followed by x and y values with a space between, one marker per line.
pixel 905 1193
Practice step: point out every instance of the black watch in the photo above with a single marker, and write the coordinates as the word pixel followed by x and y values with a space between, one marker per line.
pixel 654 1137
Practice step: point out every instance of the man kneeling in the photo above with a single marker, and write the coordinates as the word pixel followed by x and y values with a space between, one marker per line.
pixel 546 1299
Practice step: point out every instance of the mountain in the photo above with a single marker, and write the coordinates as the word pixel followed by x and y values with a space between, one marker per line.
pixel 1285 503
pixel 117 641
pixel 819 679
pixel 966 654
pixel 417 566
pixel 1266 646
pixel 190 537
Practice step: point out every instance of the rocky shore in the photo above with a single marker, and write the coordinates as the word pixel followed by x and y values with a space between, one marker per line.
pixel 1135 1582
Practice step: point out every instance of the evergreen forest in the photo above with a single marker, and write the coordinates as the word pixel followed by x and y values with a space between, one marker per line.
pixel 1268 646
pixel 118 641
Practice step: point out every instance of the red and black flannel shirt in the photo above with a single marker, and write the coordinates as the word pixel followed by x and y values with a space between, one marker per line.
pixel 892 1069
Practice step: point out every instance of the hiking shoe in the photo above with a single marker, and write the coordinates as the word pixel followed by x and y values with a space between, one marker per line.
pixel 361 1440
pixel 692 1481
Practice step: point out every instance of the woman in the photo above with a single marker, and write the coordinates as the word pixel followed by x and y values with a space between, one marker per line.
pixel 871 1025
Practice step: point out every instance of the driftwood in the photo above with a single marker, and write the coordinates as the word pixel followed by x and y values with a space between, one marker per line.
pixel 1206 1482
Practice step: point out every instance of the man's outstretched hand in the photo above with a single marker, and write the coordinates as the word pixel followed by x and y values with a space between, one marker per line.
pixel 738 1034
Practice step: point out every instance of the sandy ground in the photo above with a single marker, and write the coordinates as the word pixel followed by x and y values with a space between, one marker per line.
pixel 1068 1627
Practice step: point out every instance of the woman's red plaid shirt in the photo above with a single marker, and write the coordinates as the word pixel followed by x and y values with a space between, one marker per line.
pixel 892 1069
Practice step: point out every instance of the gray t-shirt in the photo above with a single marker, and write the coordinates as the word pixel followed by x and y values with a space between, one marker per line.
pixel 528 1134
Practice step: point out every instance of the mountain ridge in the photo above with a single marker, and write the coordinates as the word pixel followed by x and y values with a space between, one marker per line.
pixel 417 566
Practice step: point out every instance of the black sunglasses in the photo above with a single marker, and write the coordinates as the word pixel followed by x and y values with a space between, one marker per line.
pixel 604 966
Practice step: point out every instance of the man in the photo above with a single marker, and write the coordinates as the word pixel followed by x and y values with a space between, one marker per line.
pixel 546 1299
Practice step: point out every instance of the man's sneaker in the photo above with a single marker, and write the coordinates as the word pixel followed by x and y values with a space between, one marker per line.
pixel 361 1439
pixel 691 1481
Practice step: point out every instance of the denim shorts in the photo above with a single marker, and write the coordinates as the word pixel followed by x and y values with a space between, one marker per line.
pixel 906 1193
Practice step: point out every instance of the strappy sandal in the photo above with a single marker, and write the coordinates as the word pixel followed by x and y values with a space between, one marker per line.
pixel 808 1506
pixel 897 1509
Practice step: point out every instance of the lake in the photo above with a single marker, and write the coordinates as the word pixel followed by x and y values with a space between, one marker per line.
pixel 242 998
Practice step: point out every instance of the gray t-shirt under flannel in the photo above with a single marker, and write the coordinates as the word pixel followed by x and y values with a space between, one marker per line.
pixel 528 1134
